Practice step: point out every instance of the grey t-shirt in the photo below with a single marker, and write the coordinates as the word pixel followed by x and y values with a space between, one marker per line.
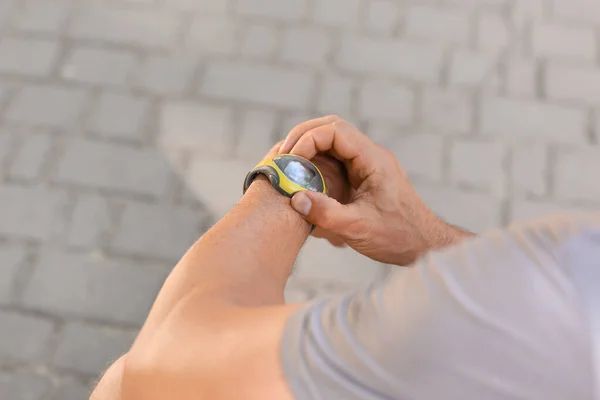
pixel 502 316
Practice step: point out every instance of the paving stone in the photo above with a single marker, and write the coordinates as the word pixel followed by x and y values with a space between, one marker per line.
pixel 136 27
pixel 285 11
pixel 28 57
pixel 473 211
pixel 439 24
pixel 157 231
pixel 101 346
pixel 256 135
pixel 576 10
pixel 335 95
pixel 576 174
pixel 99 66
pixel 382 16
pixel 558 41
pixel 420 154
pixel 7 8
pixel 448 112
pixel 580 84
pixel 336 12
pixel 91 219
pixel 197 127
pixel 470 69
pixel 166 74
pixel 6 140
pixel 120 115
pixel 492 31
pixel 23 338
pixel 101 165
pixel 23 385
pixel 488 157
pixel 512 119
pixel 529 165
pixel 260 40
pixel 201 5
pixel 319 260
pixel 213 34
pixel 42 16
pixel 83 285
pixel 32 212
pixel 306 46
pixel 10 259
pixel 521 78
pixel 268 85
pixel 46 105
pixel 72 390
pixel 418 61
pixel 30 156
pixel 385 100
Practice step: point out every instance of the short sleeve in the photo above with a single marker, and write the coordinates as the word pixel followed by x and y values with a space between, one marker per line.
pixel 496 317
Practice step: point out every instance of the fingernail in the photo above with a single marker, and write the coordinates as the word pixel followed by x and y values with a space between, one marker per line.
pixel 301 203
pixel 281 147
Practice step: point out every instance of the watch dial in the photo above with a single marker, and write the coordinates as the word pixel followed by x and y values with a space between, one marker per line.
pixel 299 173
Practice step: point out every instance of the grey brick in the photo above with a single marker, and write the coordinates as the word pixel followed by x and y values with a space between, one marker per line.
pixel 492 31
pixel 166 74
pixel 523 12
pixel 101 346
pixel 473 211
pixel 256 134
pixel 478 164
pixel 306 45
pixel 551 40
pixel 577 10
pixel 335 95
pixel 10 259
pixel 285 11
pixel 417 61
pixel 522 210
pixel 201 5
pixel 576 174
pixel 157 231
pixel 291 120
pixel 30 57
pixel 23 385
pixel 579 84
pixel 91 219
pixel 42 16
pixel 213 34
pixel 23 338
pixel 136 27
pixel 336 12
pixel 445 25
pixel 99 66
pixel 31 156
pixel 88 286
pixel 72 390
pixel 420 154
pixel 521 78
pixel 31 213
pixel 7 8
pixel 528 168
pixel 470 69
pixel 197 127
pixel 528 120
pixel 114 167
pixel 382 16
pixel 46 105
pixel 383 133
pixel 260 40
pixel 384 100
pixel 446 111
pixel 273 86
pixel 120 115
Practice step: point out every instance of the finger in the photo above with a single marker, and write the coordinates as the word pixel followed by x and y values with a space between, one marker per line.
pixel 324 211
pixel 299 130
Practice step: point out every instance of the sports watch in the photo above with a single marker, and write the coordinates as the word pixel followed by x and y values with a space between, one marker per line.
pixel 289 174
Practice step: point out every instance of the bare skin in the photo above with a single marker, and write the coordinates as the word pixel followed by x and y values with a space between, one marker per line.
pixel 215 328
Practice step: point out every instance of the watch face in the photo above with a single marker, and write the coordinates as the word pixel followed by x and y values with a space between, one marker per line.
pixel 300 171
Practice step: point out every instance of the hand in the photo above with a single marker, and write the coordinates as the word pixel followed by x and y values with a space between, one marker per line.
pixel 384 218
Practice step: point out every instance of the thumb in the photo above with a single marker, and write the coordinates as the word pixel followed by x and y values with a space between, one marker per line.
pixel 323 211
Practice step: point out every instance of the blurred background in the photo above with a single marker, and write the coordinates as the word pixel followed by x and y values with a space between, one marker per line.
pixel 126 128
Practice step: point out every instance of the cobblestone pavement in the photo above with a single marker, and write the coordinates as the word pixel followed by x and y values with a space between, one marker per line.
pixel 115 116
